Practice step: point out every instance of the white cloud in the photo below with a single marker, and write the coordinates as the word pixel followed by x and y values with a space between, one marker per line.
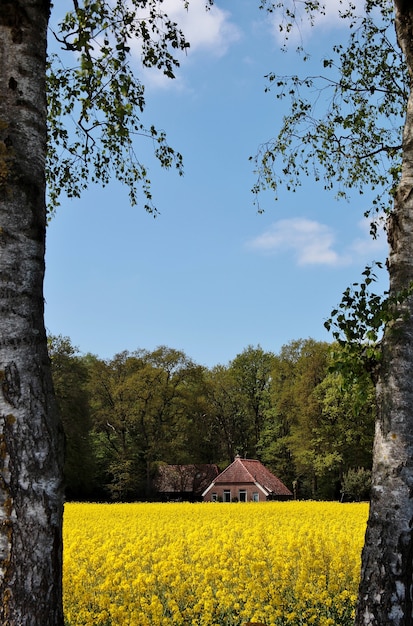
pixel 209 32
pixel 310 241
pixel 313 243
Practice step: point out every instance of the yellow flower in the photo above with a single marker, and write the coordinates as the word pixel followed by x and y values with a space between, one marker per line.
pixel 184 564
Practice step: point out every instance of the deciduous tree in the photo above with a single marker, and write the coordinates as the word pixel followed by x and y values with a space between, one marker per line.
pixel 273 446
pixel 227 411
pixel 31 437
pixel 98 90
pixel 252 375
pixel 314 430
pixel 387 571
pixel 70 378
pixel 142 407
pixel 357 143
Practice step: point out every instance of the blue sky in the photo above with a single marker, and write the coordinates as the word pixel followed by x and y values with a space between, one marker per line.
pixel 209 275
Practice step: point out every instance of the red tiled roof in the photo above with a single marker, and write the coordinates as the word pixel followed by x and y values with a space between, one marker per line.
pixel 244 471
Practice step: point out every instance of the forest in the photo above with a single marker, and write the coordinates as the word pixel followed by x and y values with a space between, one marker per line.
pixel 294 411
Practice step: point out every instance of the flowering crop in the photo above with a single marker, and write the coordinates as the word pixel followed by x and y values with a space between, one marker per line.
pixel 279 563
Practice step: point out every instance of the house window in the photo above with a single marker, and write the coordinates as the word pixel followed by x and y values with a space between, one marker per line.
pixel 227 495
pixel 242 496
pixel 214 497
pixel 255 496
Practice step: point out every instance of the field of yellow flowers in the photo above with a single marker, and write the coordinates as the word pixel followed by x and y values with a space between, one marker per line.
pixel 212 564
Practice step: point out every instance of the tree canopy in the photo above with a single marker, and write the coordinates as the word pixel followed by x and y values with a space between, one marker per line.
pixel 363 140
pixel 126 415
pixel 344 126
pixel 96 99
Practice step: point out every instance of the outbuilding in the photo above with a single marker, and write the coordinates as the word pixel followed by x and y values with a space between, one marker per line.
pixel 183 482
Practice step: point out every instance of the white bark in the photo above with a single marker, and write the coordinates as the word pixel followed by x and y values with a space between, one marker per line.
pixel 386 589
pixel 31 495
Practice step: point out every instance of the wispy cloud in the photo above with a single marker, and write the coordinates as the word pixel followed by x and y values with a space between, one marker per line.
pixel 313 243
pixel 330 17
pixel 364 245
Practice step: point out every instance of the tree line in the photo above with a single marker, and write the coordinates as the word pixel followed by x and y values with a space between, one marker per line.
pixel 294 412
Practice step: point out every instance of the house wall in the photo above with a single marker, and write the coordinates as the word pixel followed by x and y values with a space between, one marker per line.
pixel 243 492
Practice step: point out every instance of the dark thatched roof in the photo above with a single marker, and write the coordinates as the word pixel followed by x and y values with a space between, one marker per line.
pixel 184 479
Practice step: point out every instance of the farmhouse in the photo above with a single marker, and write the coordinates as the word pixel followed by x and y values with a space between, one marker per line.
pixel 183 482
pixel 246 480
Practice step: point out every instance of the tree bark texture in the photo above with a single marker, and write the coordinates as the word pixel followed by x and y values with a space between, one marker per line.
pixel 31 441
pixel 386 588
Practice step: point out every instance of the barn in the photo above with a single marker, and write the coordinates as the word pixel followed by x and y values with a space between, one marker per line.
pixel 183 482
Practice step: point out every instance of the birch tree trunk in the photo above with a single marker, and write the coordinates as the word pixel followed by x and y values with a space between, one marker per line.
pixel 385 594
pixel 31 492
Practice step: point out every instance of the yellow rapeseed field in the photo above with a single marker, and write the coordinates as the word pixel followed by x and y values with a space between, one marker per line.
pixel 212 564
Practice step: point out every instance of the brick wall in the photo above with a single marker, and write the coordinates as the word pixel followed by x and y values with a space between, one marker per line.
pixel 240 492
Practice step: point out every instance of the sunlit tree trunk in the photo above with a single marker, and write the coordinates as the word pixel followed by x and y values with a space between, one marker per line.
pixel 31 495
pixel 385 596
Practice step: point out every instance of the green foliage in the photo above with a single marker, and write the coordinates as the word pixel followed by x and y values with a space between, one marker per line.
pixel 251 370
pixel 96 99
pixel 284 438
pixel 125 415
pixel 225 410
pixel 237 398
pixel 311 433
pixel 341 431
pixel 357 325
pixel 356 484
pixel 361 315
pixel 344 127
pixel 141 405
pixel 70 380
pixel 273 446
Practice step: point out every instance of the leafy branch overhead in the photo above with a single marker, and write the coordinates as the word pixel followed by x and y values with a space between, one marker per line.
pixel 344 127
pixel 361 315
pixel 358 323
pixel 96 98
